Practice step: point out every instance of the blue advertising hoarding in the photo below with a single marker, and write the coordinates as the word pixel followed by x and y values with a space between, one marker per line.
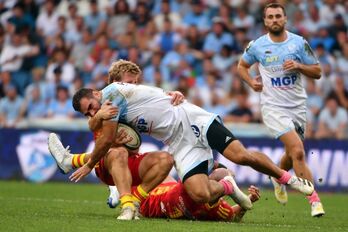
pixel 24 155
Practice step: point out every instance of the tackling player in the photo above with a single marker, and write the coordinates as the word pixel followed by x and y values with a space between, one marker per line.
pixel 284 60
pixel 189 131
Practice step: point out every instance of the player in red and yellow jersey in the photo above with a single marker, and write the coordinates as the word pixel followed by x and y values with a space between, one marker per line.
pixel 170 200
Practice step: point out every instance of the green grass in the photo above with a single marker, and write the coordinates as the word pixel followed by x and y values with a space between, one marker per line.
pixel 82 207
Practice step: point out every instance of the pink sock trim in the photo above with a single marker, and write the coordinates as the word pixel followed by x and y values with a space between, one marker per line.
pixel 313 198
pixel 228 188
pixel 284 178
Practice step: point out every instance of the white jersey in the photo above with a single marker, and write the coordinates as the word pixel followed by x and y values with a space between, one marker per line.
pixel 149 109
pixel 283 89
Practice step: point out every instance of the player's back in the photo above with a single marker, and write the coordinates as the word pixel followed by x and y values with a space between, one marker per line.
pixel 147 108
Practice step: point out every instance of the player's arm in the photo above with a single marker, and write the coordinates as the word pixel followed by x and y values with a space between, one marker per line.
pixel 309 70
pixel 177 97
pixel 243 70
pixel 106 112
pixel 102 145
pixel 309 64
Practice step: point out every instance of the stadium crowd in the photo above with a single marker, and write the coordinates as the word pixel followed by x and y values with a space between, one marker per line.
pixel 51 48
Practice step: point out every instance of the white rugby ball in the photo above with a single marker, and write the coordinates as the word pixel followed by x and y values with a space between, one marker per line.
pixel 133 133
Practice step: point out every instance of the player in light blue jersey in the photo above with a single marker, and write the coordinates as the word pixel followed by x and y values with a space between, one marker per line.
pixel 284 59
pixel 190 132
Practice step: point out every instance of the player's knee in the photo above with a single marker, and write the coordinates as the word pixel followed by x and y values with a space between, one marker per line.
pixel 119 155
pixel 165 161
pixel 200 195
pixel 240 155
pixel 298 154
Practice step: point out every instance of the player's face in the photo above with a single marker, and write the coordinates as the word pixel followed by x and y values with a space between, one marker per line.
pixel 130 78
pixel 89 106
pixel 275 20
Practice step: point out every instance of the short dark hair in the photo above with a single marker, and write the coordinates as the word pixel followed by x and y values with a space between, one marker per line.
pixel 81 93
pixel 273 5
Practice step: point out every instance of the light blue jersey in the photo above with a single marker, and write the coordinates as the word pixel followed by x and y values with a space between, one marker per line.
pixel 183 128
pixel 284 89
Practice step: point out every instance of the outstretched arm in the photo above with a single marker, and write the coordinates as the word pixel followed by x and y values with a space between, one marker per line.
pixel 254 195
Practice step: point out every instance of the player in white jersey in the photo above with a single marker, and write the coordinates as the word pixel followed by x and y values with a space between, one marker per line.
pixel 284 59
pixel 189 131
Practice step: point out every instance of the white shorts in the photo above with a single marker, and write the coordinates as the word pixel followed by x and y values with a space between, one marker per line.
pixel 281 120
pixel 189 146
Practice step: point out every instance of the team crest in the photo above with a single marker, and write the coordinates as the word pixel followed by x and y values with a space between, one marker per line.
pixel 34 158
pixel 196 130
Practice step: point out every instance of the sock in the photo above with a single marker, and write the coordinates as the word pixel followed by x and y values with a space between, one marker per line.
pixel 127 201
pixel 284 178
pixel 313 198
pixel 228 188
pixel 139 194
pixel 78 160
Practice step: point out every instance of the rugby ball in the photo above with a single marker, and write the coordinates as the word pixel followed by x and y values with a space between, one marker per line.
pixel 131 132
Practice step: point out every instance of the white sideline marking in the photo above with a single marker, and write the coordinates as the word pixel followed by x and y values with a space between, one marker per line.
pixel 52 200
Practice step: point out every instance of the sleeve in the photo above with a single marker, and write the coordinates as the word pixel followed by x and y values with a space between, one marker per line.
pixel 116 93
pixel 307 55
pixel 249 54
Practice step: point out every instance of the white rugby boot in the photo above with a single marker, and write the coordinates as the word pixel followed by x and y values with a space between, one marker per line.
pixel 60 154
pixel 279 191
pixel 238 196
pixel 302 185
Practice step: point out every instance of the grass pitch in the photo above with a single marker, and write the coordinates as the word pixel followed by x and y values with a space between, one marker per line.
pixel 82 207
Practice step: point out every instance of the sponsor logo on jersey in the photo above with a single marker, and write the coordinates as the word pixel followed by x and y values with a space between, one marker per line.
pixel 196 130
pixel 284 82
pixel 271 59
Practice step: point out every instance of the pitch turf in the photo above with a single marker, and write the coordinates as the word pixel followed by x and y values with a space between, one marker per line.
pixel 82 207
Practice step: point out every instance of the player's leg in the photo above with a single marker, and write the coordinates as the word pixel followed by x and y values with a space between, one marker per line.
pixel 148 171
pixel 201 189
pixel 64 159
pixel 116 162
pixel 294 148
pixel 222 140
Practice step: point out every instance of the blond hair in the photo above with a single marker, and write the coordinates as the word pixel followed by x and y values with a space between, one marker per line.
pixel 121 67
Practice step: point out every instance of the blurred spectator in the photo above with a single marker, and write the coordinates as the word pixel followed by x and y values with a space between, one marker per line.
pixel 11 108
pixel 61 62
pixel 35 106
pixel 242 19
pixel 38 81
pixel 100 71
pixel 242 112
pixel 341 92
pixel 61 106
pixel 167 39
pixel 31 8
pixel 142 15
pixel 196 16
pixel 332 120
pixel 19 18
pixel 96 20
pixel 117 24
pixel 322 37
pixel 342 62
pixel 312 21
pixel 5 80
pixel 329 10
pixel 47 21
pixel 165 14
pixel 152 68
pixel 314 100
pixel 217 38
pixel 13 53
pixel 223 60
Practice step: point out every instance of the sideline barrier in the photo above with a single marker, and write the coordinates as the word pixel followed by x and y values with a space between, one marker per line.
pixel 24 155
